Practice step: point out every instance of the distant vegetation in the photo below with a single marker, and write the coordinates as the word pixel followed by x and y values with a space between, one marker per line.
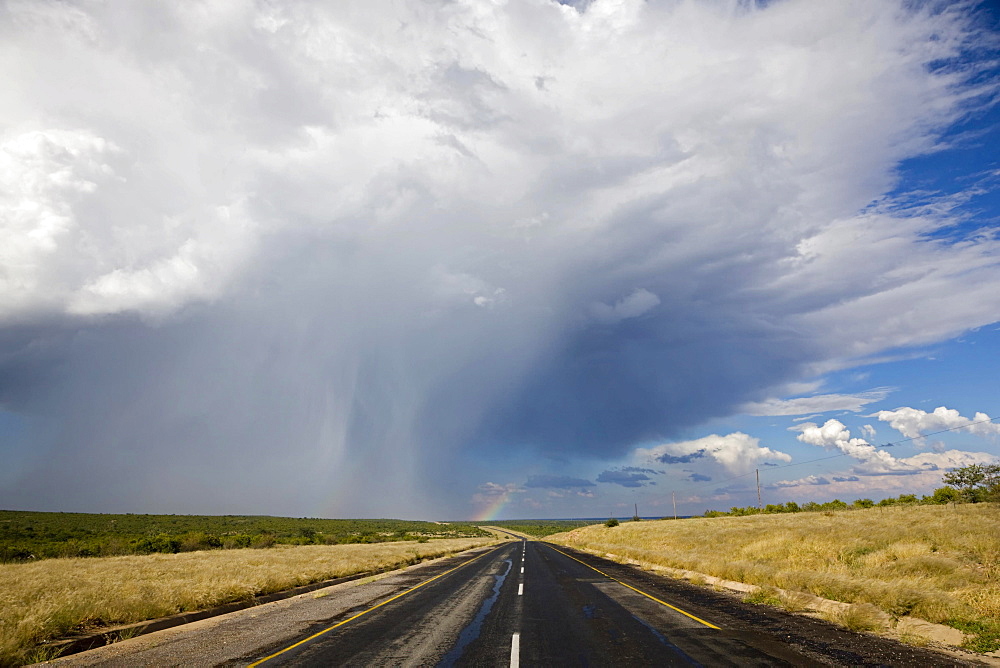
pixel 540 528
pixel 25 536
pixel 941 496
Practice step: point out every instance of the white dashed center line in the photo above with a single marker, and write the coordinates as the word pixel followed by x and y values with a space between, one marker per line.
pixel 515 650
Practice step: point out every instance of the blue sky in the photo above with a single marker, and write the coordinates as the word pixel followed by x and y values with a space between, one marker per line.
pixel 526 259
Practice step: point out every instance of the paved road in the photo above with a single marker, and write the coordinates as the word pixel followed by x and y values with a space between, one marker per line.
pixel 535 604
pixel 528 602
pixel 521 603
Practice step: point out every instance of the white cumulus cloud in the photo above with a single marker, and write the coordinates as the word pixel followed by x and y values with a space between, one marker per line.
pixel 833 435
pixel 735 453
pixel 914 423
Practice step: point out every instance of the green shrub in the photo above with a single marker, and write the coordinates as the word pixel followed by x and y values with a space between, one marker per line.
pixel 236 541
pixel 193 541
pixel 763 596
pixel 161 543
pixel 984 635
pixel 946 494
pixel 263 540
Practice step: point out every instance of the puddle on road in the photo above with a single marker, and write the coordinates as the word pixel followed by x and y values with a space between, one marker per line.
pixel 471 632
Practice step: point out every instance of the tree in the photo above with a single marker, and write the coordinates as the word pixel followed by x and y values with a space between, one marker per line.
pixel 976 482
pixel 946 494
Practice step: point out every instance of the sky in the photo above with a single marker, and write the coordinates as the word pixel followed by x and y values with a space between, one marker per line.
pixel 479 260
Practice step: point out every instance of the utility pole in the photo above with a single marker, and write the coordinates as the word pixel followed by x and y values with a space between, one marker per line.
pixel 673 496
pixel 759 507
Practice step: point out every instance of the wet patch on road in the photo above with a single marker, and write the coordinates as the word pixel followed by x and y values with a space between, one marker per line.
pixel 475 627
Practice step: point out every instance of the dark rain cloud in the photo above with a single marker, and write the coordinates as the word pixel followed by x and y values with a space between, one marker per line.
pixel 639 469
pixel 667 458
pixel 624 478
pixel 557 482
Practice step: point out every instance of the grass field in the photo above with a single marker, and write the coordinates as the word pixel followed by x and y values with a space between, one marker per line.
pixel 50 598
pixel 938 563
pixel 25 536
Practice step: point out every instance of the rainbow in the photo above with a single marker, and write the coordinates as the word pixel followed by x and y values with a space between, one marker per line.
pixel 491 511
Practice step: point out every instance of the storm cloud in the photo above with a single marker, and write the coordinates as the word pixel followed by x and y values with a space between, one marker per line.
pixel 557 482
pixel 624 478
pixel 322 257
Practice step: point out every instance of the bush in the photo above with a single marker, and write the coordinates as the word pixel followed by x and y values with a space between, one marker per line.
pixel 161 543
pixel 236 541
pixel 263 540
pixel 946 494
pixel 193 541
pixel 611 523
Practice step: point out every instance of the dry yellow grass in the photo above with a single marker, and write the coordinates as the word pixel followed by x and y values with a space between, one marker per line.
pixel 49 598
pixel 933 562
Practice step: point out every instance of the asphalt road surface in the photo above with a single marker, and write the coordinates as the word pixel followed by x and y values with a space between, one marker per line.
pixel 521 603
pixel 540 605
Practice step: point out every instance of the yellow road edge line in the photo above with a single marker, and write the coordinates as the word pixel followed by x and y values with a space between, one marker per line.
pixel 672 607
pixel 374 607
